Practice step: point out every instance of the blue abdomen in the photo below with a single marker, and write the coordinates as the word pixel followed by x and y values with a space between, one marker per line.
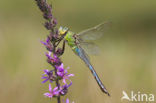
pixel 76 50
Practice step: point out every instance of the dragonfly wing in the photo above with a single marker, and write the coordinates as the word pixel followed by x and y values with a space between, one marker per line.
pixel 90 48
pixel 95 32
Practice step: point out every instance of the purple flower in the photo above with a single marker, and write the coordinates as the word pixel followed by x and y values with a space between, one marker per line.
pixel 48 25
pixel 54 21
pixel 52 93
pixel 64 88
pixel 63 73
pixel 53 60
pixel 48 44
pixel 67 101
pixel 48 75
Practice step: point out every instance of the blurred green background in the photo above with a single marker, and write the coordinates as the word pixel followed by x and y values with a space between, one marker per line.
pixel 127 60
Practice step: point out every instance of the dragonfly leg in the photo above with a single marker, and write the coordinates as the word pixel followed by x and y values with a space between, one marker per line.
pixel 63 46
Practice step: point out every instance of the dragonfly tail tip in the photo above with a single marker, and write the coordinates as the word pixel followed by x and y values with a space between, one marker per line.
pixel 108 94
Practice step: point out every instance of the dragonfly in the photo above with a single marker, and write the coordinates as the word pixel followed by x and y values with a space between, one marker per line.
pixel 82 45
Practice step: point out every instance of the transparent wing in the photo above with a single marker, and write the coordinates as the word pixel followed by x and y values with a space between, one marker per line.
pixel 95 32
pixel 90 48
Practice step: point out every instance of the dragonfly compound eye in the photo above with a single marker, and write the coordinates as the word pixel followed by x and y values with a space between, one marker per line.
pixel 62 30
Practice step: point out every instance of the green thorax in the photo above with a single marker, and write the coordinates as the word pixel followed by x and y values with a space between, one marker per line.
pixel 71 40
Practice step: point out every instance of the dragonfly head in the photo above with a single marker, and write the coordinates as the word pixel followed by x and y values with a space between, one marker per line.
pixel 62 30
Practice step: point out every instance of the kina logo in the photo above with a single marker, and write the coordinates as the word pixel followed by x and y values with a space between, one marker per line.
pixel 137 97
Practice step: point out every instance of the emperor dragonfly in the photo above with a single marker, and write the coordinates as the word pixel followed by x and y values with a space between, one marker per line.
pixel 78 42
